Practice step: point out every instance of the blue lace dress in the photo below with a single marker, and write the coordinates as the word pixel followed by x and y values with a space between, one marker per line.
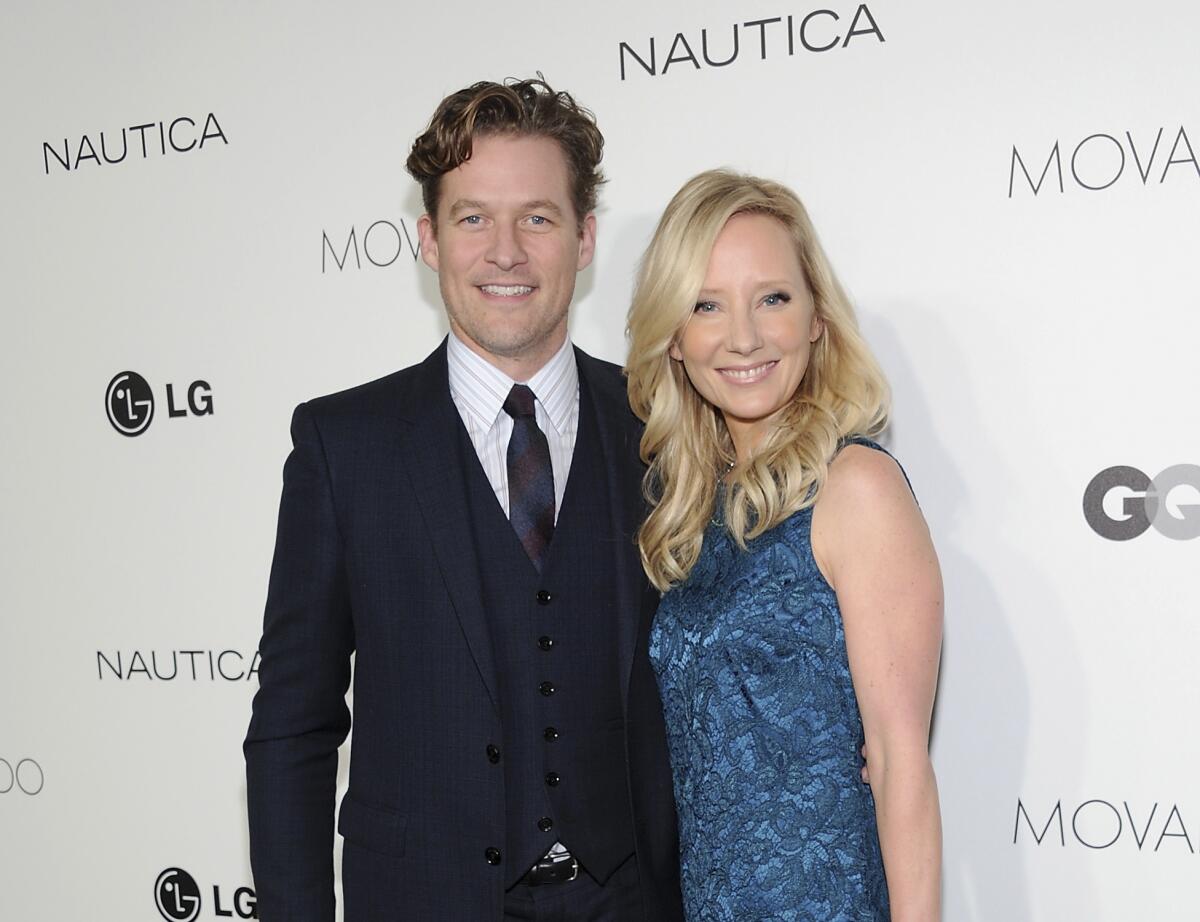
pixel 765 737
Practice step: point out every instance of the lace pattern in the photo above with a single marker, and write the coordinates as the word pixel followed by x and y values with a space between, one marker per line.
pixel 765 737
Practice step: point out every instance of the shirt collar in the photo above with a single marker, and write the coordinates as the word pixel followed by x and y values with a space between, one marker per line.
pixel 482 388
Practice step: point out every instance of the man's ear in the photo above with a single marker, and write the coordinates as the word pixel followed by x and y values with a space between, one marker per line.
pixel 427 235
pixel 587 243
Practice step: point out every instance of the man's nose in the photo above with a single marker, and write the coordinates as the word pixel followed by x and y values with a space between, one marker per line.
pixel 506 250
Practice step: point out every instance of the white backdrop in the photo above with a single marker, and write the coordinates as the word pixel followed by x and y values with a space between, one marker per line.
pixel 1033 339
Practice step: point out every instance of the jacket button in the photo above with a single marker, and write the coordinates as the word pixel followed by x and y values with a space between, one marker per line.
pixel 553 778
pixel 545 643
pixel 546 688
pixel 551 734
pixel 545 824
pixel 493 753
pixel 544 597
pixel 492 855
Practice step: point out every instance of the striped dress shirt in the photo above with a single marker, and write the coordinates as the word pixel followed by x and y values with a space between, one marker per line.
pixel 479 390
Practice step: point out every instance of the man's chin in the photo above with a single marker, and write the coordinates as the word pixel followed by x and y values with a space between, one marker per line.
pixel 516 347
pixel 511 336
pixel 507 344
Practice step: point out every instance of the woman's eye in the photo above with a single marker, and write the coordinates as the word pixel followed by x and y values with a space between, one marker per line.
pixel 705 307
pixel 776 298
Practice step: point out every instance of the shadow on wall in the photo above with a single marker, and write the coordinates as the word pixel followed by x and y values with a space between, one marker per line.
pixel 983 715
pixel 621 242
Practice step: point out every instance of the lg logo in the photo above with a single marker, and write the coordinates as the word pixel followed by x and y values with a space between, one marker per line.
pixel 177 896
pixel 129 402
pixel 1144 505
pixel 25 777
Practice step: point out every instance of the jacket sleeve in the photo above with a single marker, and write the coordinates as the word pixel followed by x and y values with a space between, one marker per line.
pixel 300 717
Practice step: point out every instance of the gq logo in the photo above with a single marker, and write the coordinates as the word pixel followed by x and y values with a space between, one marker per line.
pixel 1145 505
pixel 177 895
pixel 129 402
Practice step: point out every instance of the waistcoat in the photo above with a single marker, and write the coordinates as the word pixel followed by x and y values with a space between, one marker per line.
pixel 554 639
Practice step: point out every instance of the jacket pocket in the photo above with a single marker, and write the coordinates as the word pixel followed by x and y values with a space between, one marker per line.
pixel 374 828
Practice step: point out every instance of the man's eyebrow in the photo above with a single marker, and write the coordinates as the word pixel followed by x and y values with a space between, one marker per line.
pixel 466 204
pixel 543 205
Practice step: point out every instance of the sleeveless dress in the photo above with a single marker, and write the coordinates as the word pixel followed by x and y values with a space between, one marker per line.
pixel 765 737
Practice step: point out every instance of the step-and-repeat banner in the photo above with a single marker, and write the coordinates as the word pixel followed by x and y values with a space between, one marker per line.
pixel 206 220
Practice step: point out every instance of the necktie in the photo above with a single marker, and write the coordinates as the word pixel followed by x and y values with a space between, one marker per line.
pixel 530 477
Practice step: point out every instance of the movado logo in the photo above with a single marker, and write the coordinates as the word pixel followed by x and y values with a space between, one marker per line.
pixel 26 776
pixel 129 402
pixel 383 243
pixel 1099 824
pixel 1100 159
pixel 1144 504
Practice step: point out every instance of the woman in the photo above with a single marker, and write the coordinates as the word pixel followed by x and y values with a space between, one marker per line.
pixel 803 602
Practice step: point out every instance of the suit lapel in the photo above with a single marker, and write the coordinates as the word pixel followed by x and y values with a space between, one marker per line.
pixel 623 475
pixel 432 457
pixel 431 453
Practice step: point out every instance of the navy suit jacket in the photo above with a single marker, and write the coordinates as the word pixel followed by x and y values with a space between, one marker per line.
pixel 374 556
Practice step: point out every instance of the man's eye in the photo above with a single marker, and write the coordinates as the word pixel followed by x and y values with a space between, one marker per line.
pixel 538 219
pixel 473 219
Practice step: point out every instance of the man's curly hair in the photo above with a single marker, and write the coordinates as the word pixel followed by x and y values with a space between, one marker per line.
pixel 521 108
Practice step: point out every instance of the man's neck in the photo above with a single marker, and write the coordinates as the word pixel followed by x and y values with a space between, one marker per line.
pixel 518 367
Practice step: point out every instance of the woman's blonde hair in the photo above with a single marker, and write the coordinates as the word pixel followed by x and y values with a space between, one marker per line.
pixel 686 443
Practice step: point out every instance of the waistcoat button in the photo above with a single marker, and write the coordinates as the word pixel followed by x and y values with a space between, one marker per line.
pixel 551 734
pixel 553 778
pixel 493 753
pixel 544 597
pixel 545 824
pixel 545 643
pixel 492 855
pixel 546 688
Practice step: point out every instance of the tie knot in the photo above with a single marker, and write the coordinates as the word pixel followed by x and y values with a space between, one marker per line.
pixel 519 402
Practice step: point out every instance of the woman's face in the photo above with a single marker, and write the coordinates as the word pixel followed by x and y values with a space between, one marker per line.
pixel 747 343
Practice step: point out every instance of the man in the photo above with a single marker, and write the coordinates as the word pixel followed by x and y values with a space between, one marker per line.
pixel 465 526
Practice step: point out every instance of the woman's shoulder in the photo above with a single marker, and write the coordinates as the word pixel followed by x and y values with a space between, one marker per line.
pixel 866 489
pixel 866 502
pixel 862 469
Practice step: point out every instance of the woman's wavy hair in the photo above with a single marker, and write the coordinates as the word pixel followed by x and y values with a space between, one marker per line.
pixel 686 443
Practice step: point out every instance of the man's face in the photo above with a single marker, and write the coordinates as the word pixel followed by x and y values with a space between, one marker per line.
pixel 506 249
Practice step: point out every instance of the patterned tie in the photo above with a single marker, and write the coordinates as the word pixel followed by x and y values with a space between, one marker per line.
pixel 530 477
